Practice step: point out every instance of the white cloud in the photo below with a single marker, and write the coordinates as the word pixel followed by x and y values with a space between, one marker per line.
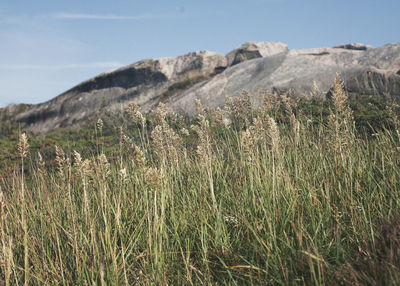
pixel 84 16
pixel 60 66
pixel 21 19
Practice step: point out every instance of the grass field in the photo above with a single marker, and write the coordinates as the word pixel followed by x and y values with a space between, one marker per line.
pixel 245 196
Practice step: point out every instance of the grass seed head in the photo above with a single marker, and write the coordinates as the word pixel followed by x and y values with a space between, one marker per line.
pixel 153 177
pixel 161 113
pixel 339 95
pixel 239 108
pixel 23 146
pixel 295 128
pixel 60 160
pixel 87 169
pixel 274 135
pixel 204 149
pixel 78 159
pixel 217 117
pixel 103 165
pixel 134 111
pixel 41 164
pixel 139 158
pixel 100 125
pixel 247 144
pixel 123 173
pixel 199 107
pixel 341 121
pixel 185 132
pixel 315 92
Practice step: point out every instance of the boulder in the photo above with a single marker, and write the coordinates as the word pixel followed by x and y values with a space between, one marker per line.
pixel 253 50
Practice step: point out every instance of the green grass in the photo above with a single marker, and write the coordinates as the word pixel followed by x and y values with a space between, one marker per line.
pixel 278 205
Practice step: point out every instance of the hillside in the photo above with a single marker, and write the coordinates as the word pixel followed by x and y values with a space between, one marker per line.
pixel 211 76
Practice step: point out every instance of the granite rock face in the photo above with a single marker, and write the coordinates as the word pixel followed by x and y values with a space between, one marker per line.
pixel 210 76
pixel 254 50
pixel 142 82
pixel 371 71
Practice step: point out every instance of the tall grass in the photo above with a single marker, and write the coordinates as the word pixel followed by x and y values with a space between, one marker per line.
pixel 235 198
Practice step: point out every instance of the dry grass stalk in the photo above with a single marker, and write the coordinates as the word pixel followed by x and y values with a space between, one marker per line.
pixel 274 136
pixel 139 157
pixel 218 118
pixel 23 146
pixel 161 113
pixel 394 117
pixel 295 128
pixel 248 144
pixel 204 152
pixel 199 107
pixel 83 167
pixel 61 161
pixel 267 205
pixel 134 111
pixel 41 165
pixel 166 141
pixel 78 160
pixel 255 135
pixel 238 109
pixel 7 252
pixel 341 121
pixel 153 177
pixel 100 125
pixel 290 103
pixel 185 132
pixel 270 102
pixel 287 101
pixel 103 166
pixel 315 92
pixel 123 174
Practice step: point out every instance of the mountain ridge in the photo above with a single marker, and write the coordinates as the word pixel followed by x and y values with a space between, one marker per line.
pixel 210 76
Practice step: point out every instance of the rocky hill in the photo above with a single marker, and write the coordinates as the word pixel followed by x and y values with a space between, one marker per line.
pixel 211 76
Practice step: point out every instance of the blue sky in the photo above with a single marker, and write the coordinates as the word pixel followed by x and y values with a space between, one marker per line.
pixel 48 46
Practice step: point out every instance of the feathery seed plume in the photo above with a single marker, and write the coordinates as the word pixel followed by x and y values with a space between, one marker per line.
pixel 103 165
pixel 139 157
pixel 41 164
pixel 100 125
pixel 23 146
pixel 60 160
pixel 134 111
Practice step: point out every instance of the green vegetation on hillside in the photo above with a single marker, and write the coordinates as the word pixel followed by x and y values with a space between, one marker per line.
pixel 299 191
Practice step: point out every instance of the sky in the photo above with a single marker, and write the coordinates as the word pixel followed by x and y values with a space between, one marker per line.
pixel 49 46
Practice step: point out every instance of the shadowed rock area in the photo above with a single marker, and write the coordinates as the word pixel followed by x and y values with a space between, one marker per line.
pixel 211 76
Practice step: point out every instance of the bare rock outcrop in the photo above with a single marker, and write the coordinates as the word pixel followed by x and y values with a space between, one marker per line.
pixel 210 76
pixel 370 71
pixel 143 82
pixel 254 50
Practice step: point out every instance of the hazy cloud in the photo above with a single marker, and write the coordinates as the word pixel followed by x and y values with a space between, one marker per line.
pixel 60 66
pixel 84 16
pixel 20 19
